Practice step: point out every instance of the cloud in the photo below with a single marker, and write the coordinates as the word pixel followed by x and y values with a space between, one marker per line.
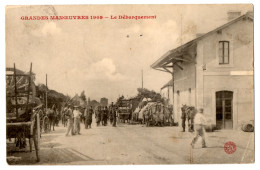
pixel 104 69
pixel 50 28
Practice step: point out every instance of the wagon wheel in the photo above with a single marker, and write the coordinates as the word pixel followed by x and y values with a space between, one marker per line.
pixel 46 124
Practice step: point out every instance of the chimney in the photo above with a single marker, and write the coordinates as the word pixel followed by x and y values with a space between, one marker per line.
pixel 233 15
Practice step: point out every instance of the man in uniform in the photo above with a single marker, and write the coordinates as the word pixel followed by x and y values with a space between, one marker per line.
pixel 110 115
pixel 63 115
pixel 69 117
pixel 113 114
pixel 88 117
pixel 76 115
pixel 102 114
pixel 98 115
pixel 105 115
pixel 183 117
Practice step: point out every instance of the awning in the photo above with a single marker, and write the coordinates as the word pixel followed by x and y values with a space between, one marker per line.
pixel 170 83
pixel 173 58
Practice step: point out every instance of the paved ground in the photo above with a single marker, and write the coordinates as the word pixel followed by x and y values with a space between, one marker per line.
pixel 137 144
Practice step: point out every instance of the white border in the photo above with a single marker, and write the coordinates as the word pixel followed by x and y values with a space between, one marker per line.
pixel 3 3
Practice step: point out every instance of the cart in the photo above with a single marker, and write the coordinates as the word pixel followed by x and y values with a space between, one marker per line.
pixel 124 111
pixel 22 109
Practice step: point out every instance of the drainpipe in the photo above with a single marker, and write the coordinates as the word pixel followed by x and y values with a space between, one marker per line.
pixel 173 93
pixel 196 85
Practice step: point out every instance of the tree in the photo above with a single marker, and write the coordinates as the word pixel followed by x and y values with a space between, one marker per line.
pixel 83 96
pixel 119 100
pixel 53 96
pixel 145 93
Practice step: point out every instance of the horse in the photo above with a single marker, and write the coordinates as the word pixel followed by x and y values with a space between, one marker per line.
pixel 58 117
pixel 52 118
pixel 154 115
pixel 188 112
pixel 168 116
pixel 64 119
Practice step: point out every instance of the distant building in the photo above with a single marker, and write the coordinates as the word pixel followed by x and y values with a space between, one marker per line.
pixel 167 92
pixel 103 101
pixel 215 71
pixel 77 101
pixel 94 103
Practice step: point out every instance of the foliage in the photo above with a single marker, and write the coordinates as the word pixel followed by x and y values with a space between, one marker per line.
pixel 145 93
pixel 83 96
pixel 93 103
pixel 53 96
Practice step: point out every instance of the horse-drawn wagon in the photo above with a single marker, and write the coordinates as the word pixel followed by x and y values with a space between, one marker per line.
pixel 23 109
pixel 156 114
pixel 124 110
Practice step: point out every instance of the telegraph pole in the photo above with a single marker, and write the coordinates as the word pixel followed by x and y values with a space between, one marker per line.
pixel 46 92
pixel 142 80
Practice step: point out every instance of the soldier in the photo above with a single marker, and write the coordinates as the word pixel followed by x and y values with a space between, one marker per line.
pixel 110 115
pixel 183 117
pixel 69 116
pixel 63 116
pixel 105 115
pixel 114 114
pixel 102 115
pixel 98 115
pixel 191 115
pixel 85 113
pixel 82 117
pixel 88 117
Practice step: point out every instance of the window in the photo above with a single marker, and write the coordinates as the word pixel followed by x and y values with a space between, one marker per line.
pixel 223 52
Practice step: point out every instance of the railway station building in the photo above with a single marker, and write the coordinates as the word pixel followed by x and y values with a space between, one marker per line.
pixel 215 71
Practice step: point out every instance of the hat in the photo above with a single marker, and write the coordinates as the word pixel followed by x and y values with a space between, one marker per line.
pixel 201 110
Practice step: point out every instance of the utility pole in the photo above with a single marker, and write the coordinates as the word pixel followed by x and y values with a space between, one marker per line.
pixel 142 80
pixel 46 92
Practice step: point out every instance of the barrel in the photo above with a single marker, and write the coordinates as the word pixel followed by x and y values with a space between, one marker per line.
pixel 247 127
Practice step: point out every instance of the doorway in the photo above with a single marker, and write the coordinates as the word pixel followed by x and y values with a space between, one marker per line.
pixel 224 110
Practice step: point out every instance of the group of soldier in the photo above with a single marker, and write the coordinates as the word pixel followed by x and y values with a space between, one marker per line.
pixel 104 113
pixel 73 115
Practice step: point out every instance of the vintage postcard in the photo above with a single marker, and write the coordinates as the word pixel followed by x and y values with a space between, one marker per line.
pixel 130 84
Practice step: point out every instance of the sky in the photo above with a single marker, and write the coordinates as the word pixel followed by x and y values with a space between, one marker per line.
pixel 104 57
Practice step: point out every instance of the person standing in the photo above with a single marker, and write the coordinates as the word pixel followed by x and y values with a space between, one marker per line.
pixel 82 117
pixel 110 115
pixel 88 117
pixel 76 115
pixel 114 114
pixel 102 115
pixel 85 116
pixel 98 115
pixel 63 115
pixel 69 117
pixel 199 122
pixel 183 117
pixel 105 116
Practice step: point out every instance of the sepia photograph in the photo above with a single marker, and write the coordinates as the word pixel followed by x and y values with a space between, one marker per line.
pixel 129 84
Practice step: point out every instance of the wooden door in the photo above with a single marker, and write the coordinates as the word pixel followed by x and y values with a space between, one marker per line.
pixel 224 110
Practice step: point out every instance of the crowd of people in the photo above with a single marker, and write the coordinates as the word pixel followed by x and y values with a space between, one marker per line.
pixel 72 116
